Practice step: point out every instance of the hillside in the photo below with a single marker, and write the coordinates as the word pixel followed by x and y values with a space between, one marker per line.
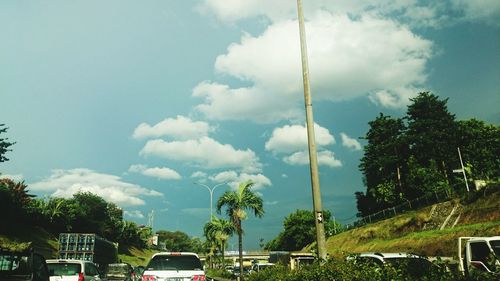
pixel 419 231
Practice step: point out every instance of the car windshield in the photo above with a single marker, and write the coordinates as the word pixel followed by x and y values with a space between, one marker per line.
pixel 181 262
pixel 495 245
pixel 64 269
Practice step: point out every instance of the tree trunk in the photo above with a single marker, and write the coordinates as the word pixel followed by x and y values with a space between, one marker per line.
pixel 223 258
pixel 240 248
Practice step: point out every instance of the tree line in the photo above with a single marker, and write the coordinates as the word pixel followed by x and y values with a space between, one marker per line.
pixel 415 155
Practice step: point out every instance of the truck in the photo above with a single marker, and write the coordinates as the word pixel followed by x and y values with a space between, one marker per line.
pixel 479 253
pixel 87 247
pixel 22 263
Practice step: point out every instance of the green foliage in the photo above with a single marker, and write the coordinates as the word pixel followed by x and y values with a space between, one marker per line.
pixel 4 144
pixel 356 271
pixel 299 230
pixel 217 231
pixel 405 161
pixel 236 204
pixel 178 241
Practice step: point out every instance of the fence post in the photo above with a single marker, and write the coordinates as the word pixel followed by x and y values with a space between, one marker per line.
pixel 437 197
pixel 394 209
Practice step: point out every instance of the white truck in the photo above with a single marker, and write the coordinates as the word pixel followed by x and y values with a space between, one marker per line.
pixel 479 253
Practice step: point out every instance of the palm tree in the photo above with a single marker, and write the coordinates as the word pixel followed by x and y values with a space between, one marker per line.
pixel 236 202
pixel 218 231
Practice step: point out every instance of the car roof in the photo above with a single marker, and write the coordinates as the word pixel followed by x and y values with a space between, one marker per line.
pixel 389 255
pixel 66 261
pixel 175 254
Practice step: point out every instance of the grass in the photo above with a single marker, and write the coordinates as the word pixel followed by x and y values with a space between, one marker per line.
pixel 135 256
pixel 404 233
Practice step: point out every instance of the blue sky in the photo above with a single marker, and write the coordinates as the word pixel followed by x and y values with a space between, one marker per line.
pixel 137 100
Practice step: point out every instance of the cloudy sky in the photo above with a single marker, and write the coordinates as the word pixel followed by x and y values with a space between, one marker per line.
pixel 139 100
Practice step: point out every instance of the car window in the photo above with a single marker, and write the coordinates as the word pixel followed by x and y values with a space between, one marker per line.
pixel 17 263
pixel 495 244
pixel 64 269
pixel 118 269
pixel 90 269
pixel 167 262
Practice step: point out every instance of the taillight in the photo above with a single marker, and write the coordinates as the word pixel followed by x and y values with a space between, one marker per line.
pixel 148 278
pixel 81 277
pixel 198 278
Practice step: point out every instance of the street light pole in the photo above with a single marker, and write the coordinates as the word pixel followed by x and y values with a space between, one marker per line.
pixel 313 158
pixel 211 190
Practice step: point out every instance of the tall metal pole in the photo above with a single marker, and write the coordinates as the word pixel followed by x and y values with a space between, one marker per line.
pixel 463 169
pixel 318 209
pixel 211 190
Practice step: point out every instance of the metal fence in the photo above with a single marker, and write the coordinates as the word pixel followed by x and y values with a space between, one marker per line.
pixel 426 200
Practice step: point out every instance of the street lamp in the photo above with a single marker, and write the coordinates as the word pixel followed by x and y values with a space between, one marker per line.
pixel 211 190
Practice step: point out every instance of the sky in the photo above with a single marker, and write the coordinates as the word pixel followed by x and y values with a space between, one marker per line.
pixel 147 102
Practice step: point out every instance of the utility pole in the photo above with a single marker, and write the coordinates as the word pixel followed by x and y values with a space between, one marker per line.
pixel 463 169
pixel 313 158
pixel 211 190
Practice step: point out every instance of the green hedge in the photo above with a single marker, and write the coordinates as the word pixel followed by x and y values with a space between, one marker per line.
pixel 351 271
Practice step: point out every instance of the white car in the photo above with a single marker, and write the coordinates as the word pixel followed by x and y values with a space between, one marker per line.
pixel 174 266
pixel 72 270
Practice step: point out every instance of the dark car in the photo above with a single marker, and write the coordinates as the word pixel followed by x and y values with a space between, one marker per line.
pixel 120 272
pixel 22 265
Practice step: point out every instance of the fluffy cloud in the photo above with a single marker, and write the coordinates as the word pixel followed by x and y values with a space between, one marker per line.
pixel 205 152
pixel 325 158
pixel 291 138
pixel 350 142
pixel 16 177
pixel 156 172
pixel 233 179
pixel 348 58
pixel 199 174
pixel 134 214
pixel 180 128
pixel 412 12
pixel 65 183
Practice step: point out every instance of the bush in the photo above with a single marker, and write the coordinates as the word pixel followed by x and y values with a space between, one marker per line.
pixel 352 271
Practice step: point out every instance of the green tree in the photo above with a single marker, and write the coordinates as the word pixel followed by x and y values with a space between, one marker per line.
pixel 432 132
pixel 176 241
pixel 4 144
pixel 236 202
pixel 299 230
pixel 218 231
pixel 382 164
pixel 480 146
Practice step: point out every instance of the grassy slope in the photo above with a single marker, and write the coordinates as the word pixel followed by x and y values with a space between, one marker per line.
pixel 135 256
pixel 40 239
pixel 403 233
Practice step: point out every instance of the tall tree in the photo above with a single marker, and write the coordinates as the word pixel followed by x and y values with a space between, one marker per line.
pixel 382 164
pixel 432 132
pixel 480 147
pixel 236 204
pixel 4 144
pixel 218 231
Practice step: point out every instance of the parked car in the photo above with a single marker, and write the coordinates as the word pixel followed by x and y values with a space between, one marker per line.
pixel 414 265
pixel 261 266
pixel 120 272
pixel 73 270
pixel 22 265
pixel 179 266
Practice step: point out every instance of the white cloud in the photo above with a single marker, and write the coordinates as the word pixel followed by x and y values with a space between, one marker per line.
pixel 252 103
pixel 163 173
pixel 479 10
pixel 291 138
pixel 325 158
pixel 14 177
pixel 350 142
pixel 199 174
pixel 348 58
pixel 134 214
pixel 65 183
pixel 204 152
pixel 233 179
pixel 180 128
pixel 412 12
